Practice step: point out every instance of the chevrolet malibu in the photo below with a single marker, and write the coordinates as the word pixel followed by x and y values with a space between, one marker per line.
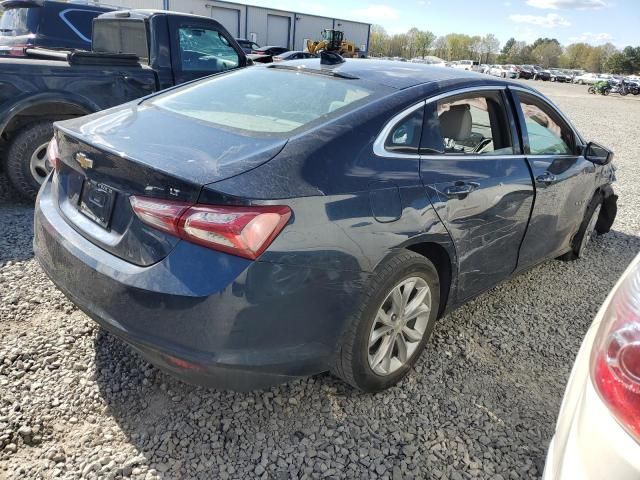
pixel 285 220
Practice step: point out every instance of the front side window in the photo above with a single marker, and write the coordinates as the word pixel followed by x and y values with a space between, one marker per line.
pixel 206 50
pixel 473 124
pixel 404 137
pixel 546 132
pixel 264 100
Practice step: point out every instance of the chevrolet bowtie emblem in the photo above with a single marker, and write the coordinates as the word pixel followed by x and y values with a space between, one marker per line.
pixel 84 161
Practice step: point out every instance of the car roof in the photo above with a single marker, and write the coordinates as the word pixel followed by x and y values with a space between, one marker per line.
pixel 394 74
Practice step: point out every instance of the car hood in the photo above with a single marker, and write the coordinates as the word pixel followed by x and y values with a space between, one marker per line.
pixel 185 148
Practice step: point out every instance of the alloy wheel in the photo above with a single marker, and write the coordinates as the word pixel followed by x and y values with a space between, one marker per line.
pixel 40 166
pixel 399 326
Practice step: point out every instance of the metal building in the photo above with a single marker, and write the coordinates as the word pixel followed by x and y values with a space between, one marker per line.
pixel 263 25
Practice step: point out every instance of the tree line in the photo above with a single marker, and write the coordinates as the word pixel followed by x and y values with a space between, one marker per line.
pixel 547 52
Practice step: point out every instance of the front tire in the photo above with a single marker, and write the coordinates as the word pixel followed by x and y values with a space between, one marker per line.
pixel 586 231
pixel 392 324
pixel 27 161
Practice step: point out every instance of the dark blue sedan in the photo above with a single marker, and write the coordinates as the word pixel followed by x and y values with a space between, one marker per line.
pixel 285 220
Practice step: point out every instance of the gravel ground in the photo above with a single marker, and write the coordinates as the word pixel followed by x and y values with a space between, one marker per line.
pixel 482 402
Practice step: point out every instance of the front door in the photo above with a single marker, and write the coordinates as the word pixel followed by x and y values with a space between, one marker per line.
pixel 479 184
pixel 558 171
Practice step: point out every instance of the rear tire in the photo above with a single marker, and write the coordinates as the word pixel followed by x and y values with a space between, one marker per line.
pixel 587 229
pixel 591 90
pixel 357 358
pixel 27 165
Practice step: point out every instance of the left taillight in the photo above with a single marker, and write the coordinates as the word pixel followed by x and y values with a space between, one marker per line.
pixel 615 361
pixel 242 231
pixel 53 154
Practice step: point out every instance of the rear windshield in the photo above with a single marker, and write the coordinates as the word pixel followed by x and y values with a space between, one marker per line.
pixel 121 36
pixel 14 22
pixel 264 100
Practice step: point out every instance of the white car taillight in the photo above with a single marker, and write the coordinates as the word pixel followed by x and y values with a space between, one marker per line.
pixel 243 231
pixel 615 360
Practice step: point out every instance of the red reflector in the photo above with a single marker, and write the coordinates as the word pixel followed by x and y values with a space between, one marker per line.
pixel 616 354
pixel 243 231
pixel 53 154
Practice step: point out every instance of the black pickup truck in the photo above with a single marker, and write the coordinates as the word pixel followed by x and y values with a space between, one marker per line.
pixel 134 53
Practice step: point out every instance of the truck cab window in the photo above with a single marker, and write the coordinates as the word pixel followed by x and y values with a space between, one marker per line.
pixel 121 36
pixel 206 50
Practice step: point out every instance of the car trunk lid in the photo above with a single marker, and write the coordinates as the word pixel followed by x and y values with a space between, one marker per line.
pixel 109 156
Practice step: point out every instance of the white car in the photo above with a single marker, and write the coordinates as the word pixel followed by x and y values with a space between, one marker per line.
pixel 463 64
pixel 586 78
pixel 598 431
pixel 504 71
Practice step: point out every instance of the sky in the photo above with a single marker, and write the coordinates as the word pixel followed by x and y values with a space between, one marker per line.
pixel 591 21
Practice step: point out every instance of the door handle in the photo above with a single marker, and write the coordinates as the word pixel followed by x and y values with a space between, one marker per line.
pixel 460 189
pixel 546 178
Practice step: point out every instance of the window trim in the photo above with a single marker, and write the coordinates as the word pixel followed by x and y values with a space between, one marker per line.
pixel 380 150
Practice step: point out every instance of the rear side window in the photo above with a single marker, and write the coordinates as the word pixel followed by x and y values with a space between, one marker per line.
pixel 79 21
pixel 121 36
pixel 206 50
pixel 474 124
pixel 404 137
pixel 263 100
pixel 546 132
pixel 14 22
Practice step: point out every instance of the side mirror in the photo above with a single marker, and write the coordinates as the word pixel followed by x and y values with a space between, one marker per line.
pixel 596 153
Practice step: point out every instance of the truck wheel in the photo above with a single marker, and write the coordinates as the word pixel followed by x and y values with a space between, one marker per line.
pixel 390 328
pixel 27 162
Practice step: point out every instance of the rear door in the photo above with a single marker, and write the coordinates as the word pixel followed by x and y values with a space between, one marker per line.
pixel 201 49
pixel 478 182
pixel 553 152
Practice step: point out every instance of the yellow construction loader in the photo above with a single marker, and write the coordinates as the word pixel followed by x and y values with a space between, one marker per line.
pixel 333 41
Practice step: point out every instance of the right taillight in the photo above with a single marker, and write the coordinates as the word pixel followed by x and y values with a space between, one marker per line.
pixel 239 230
pixel 615 361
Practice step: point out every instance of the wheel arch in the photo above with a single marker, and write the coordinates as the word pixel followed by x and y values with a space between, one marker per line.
pixel 609 208
pixel 443 260
pixel 47 106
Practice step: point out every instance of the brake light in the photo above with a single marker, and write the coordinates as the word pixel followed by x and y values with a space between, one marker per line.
pixel 18 51
pixel 53 154
pixel 242 231
pixel 615 361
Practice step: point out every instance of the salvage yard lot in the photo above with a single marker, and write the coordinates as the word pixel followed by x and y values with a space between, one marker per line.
pixel 76 402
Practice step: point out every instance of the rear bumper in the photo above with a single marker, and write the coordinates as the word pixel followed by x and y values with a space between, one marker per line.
pixel 209 318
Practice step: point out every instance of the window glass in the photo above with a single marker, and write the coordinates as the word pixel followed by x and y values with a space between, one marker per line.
pixel 405 135
pixel 469 125
pixel 263 100
pixel 13 22
pixel 206 50
pixel 546 133
pixel 121 36
pixel 80 22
